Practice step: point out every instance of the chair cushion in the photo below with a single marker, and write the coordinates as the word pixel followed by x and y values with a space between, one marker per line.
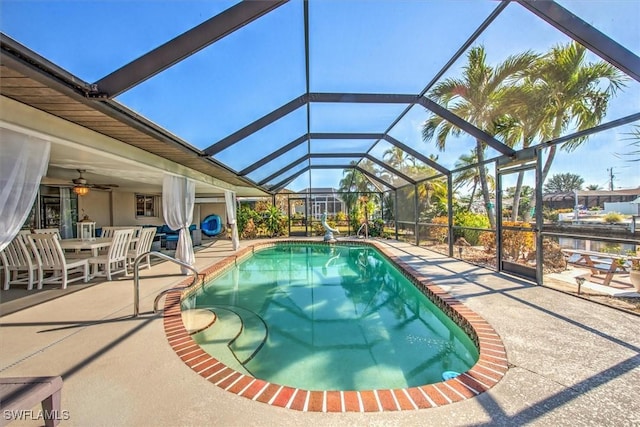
pixel 166 229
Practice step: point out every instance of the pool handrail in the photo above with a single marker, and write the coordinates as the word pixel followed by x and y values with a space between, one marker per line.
pixel 136 280
pixel 364 225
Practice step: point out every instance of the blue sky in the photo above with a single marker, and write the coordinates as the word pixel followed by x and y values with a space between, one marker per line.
pixel 356 46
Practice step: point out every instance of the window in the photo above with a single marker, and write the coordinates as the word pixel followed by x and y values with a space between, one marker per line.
pixel 146 206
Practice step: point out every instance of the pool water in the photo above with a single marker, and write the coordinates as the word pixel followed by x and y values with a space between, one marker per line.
pixel 322 317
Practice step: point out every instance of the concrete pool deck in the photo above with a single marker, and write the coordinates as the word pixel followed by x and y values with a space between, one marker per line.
pixel 572 362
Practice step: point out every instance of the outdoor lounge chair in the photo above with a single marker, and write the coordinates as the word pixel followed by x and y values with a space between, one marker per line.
pixel 54 260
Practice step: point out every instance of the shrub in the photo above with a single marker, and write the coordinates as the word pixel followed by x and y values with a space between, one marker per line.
pixel 377 228
pixel 551 215
pixel 317 228
pixel 518 244
pixel 440 233
pixel 612 218
pixel 341 216
pixel 250 230
pixel 488 240
pixel 472 220
pixel 246 214
pixel 272 219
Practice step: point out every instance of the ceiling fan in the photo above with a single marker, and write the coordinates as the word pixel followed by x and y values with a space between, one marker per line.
pixel 81 185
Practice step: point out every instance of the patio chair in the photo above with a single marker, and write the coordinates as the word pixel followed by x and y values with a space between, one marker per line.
pixel 115 260
pixel 109 230
pixel 142 245
pixel 47 231
pixel 21 265
pixel 23 235
pixel 53 260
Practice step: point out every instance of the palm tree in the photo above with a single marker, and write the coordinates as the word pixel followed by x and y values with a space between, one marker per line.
pixel 634 136
pixel 477 97
pixel 524 125
pixel 469 175
pixel 578 93
pixel 352 182
pixel 396 157
pixel 432 191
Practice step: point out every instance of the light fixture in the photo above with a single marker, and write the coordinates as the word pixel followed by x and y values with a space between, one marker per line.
pixel 81 190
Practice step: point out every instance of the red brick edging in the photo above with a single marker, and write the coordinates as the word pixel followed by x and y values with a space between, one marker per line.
pixel 490 368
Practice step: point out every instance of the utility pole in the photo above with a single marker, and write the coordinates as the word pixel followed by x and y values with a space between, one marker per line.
pixel 610 170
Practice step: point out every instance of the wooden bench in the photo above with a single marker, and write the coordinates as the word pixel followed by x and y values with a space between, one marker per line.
pixel 598 262
pixel 23 393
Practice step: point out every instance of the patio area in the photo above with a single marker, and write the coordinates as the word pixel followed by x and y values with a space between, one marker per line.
pixel 571 362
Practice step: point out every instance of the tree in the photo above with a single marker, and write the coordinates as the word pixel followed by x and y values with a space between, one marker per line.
pixel 352 184
pixel 397 159
pixel 592 187
pixel 477 97
pixel 471 175
pixel 563 183
pixel 578 93
pixel 634 136
pixel 523 125
pixel 558 92
pixel 523 203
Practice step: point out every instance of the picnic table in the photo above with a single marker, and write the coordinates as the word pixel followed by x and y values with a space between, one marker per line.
pixel 598 262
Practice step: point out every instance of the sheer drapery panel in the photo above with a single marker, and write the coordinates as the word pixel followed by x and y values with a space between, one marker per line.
pixel 178 199
pixel 230 201
pixel 23 162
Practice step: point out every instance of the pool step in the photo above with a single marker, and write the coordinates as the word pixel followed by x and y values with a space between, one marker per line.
pixel 215 339
pixel 236 336
pixel 254 335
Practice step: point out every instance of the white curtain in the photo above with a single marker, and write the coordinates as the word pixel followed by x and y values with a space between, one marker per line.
pixel 23 162
pixel 230 201
pixel 178 198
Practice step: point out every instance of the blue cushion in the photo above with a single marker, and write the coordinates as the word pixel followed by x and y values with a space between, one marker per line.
pixel 172 237
pixel 166 229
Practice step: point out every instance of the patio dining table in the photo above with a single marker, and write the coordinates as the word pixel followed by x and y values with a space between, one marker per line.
pixel 79 245
pixel 94 245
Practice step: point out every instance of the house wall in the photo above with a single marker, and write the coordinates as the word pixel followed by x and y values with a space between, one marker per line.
pixel 627 208
pixel 124 212
pixel 97 206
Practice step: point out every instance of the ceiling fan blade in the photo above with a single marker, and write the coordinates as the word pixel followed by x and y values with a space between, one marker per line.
pixel 104 186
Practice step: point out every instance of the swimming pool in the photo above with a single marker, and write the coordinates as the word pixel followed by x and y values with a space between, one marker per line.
pixel 380 320
pixel 323 317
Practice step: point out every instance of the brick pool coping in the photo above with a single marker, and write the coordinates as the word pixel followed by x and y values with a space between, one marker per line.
pixel 490 368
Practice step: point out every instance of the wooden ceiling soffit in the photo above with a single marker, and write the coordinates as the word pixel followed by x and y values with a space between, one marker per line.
pixel 42 85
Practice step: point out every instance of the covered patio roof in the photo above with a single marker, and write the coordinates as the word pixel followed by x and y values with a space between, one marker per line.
pixel 306 100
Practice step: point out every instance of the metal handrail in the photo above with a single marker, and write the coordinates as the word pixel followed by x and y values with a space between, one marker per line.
pixel 366 232
pixel 136 280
